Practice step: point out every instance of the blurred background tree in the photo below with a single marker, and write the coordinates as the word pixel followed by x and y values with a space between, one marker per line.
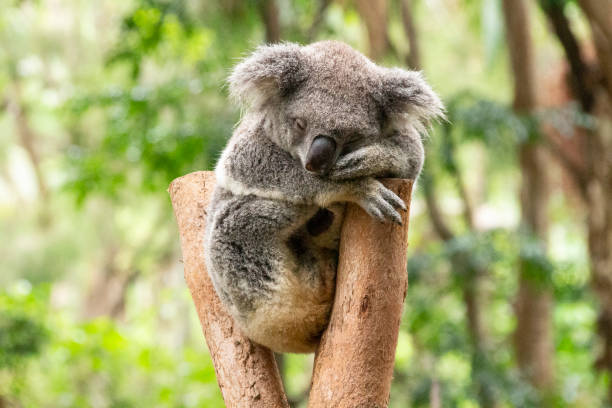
pixel 103 103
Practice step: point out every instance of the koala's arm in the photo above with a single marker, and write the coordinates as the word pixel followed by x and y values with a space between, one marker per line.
pixel 398 155
pixel 253 164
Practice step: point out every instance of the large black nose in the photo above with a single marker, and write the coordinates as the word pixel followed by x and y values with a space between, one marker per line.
pixel 321 154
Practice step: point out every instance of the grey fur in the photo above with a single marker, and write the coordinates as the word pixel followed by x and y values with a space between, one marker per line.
pixel 273 227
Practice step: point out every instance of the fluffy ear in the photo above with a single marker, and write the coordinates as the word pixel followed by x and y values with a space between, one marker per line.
pixel 271 71
pixel 406 95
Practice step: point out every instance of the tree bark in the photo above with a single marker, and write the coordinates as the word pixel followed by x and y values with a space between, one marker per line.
pixel 599 222
pixel 269 15
pixel 374 14
pixel 246 372
pixel 581 76
pixel 599 14
pixel 354 362
pixel 413 59
pixel 594 174
pixel 533 334
pixel 599 188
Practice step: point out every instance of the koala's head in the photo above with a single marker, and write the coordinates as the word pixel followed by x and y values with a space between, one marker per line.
pixel 326 99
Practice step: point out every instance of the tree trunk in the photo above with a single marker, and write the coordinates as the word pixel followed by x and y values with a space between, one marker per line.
pixel 246 372
pixel 599 14
pixel 533 334
pixel 269 15
pixel 594 176
pixel 354 362
pixel 374 14
pixel 599 199
pixel 599 189
pixel 413 60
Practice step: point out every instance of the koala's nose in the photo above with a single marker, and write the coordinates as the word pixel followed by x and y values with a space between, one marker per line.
pixel 321 154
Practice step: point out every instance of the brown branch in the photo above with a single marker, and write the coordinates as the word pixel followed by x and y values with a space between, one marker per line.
pixel 600 12
pixel 521 54
pixel 246 372
pixel 577 174
pixel 533 333
pixel 374 14
pixel 580 71
pixel 269 14
pixel 603 46
pixel 435 214
pixel 354 362
pixel 413 59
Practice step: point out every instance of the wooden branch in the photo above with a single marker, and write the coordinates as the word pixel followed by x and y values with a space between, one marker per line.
pixel 435 214
pixel 374 14
pixel 603 46
pixel 600 12
pixel 520 48
pixel 577 174
pixel 269 14
pixel 580 71
pixel 533 333
pixel 246 372
pixel 354 362
pixel 413 60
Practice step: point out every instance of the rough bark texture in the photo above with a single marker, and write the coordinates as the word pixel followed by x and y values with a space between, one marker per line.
pixel 374 14
pixel 354 362
pixel 533 334
pixel 246 372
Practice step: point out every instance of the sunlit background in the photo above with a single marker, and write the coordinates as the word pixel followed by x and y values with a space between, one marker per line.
pixel 103 103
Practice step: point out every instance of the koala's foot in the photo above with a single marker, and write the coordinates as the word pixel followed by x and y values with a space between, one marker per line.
pixel 378 201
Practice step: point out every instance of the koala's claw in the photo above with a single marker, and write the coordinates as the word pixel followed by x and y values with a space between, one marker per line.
pixel 351 166
pixel 381 203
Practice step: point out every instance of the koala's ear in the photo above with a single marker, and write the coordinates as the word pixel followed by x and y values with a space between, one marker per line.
pixel 271 71
pixel 406 95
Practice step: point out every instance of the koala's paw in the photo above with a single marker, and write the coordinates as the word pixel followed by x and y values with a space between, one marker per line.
pixel 353 165
pixel 380 202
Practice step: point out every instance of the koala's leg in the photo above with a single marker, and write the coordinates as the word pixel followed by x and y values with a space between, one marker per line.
pixel 324 227
pixel 276 284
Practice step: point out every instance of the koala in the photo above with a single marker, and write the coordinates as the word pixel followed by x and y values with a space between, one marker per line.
pixel 321 123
